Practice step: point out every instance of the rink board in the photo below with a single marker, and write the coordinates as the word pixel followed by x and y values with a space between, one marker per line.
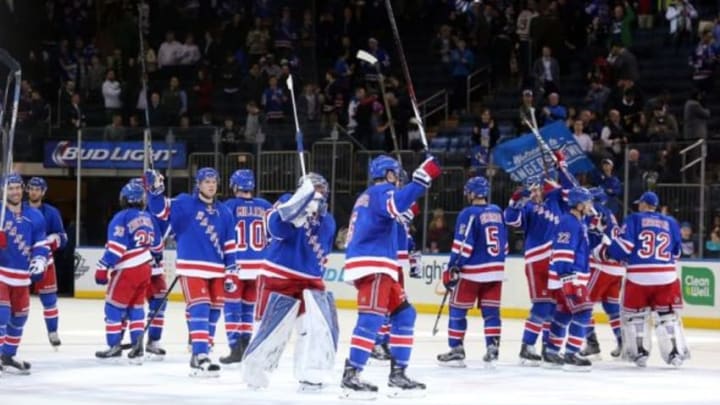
pixel 699 280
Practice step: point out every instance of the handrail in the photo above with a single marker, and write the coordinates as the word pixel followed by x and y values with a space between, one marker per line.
pixel 423 105
pixel 690 147
pixel 703 154
pixel 469 88
pixel 339 128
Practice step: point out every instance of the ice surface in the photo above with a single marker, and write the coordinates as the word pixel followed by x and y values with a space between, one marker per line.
pixel 73 376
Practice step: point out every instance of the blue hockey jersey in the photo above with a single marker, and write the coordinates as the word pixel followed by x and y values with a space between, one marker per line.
pixel 54 230
pixel 205 234
pixel 25 232
pixel 538 222
pixel 612 229
pixel 131 237
pixel 480 257
pixel 372 233
pixel 298 253
pixel 250 234
pixel 570 254
pixel 650 244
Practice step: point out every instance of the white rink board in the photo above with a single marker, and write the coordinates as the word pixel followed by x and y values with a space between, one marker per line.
pixel 702 306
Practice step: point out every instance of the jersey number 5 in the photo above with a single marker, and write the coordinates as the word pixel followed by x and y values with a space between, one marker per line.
pixel 492 240
pixel 255 232
pixel 654 245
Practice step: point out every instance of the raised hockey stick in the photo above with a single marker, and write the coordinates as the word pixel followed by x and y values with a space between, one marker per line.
pixel 544 147
pixel 372 60
pixel 148 163
pixel 447 290
pixel 151 317
pixel 298 133
pixel 406 74
pixel 8 136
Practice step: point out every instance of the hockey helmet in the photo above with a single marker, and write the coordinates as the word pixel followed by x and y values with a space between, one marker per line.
pixel 205 173
pixel 242 180
pixel 533 181
pixel 133 192
pixel 478 186
pixel 381 165
pixel 599 195
pixel 13 178
pixel 38 182
pixel 317 181
pixel 579 195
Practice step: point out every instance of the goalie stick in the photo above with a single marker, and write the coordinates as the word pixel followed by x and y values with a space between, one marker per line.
pixel 8 136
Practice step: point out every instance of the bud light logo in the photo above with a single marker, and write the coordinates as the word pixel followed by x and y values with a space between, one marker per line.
pixel 113 155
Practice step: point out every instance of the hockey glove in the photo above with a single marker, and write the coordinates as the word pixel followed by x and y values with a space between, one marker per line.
pixel 573 290
pixel 597 224
pixel 153 182
pixel 428 171
pixel 230 283
pixel 416 264
pixel 37 267
pixel 53 241
pixel 599 253
pixel 407 216
pixel 451 276
pixel 519 198
pixel 3 240
pixel 101 274
pixel 560 157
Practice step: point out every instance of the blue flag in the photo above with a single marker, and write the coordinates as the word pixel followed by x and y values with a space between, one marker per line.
pixel 522 157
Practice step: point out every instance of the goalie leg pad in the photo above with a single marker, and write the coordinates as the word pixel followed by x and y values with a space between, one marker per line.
pixel 635 337
pixel 267 345
pixel 671 339
pixel 317 338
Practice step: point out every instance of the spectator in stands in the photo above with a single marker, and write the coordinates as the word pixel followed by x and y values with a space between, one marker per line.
pixel 229 136
pixel 636 175
pixel 680 14
pixel 583 139
pixel 597 97
pixel 688 244
pixel 441 46
pixel 662 126
pixel 611 184
pixel 112 92
pixel 257 40
pixel 623 63
pixel 202 92
pixel 333 100
pixel 269 66
pixel 253 85
pixel 174 101
pixel 485 132
pixel 76 116
pixel 170 53
pixel 252 123
pixel 151 59
pixel 613 135
pixel 309 104
pixel 703 62
pixel 463 61
pixel 158 116
pixel 115 130
pixel 695 117
pixel 439 234
pixel 712 245
pixel 65 98
pixel 524 50
pixel 620 27
pixel 285 34
pixel 94 79
pixel 190 52
pixel 554 111
pixel 383 60
pixel 546 72
pixel 524 111
pixel 230 84
pixel 352 108
pixel 273 101
pixel 645 14
pixel 343 70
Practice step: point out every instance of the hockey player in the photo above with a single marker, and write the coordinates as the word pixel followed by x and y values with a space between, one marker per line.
pixel 205 234
pixel 46 288
pixel 126 265
pixel 605 276
pixel 567 279
pixel 371 263
pixel 536 209
pixel 291 291
pixel 475 273
pixel 249 213
pixel 23 256
pixel 650 244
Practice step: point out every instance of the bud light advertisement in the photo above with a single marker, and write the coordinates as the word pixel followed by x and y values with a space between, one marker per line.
pixel 113 155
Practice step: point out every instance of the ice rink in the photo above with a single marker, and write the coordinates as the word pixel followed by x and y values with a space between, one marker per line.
pixel 74 376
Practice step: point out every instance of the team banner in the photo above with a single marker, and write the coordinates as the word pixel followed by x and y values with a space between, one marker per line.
pixel 522 157
pixel 113 155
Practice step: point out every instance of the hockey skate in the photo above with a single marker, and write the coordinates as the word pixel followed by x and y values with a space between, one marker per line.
pixel 528 357
pixel 592 347
pixel 11 365
pixel 552 360
pixel 353 387
pixel 310 387
pixel 454 358
pixel 401 386
pixel 114 353
pixel 491 356
pixel 54 340
pixel 237 352
pixel 380 354
pixel 641 358
pixel 575 362
pixel 201 366
pixel 136 355
pixel 617 351
pixel 153 351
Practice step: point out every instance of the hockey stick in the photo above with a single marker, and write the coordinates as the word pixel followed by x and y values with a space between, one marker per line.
pixel 544 147
pixel 406 73
pixel 447 290
pixel 8 137
pixel 139 344
pixel 148 163
pixel 298 133
pixel 372 60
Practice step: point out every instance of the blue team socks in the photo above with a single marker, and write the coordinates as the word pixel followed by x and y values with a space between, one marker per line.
pixel 558 330
pixel 136 316
pixel 247 313
pixel 113 324
pixel 14 334
pixel 457 325
pixel 577 332
pixel 215 313
pixel 233 318
pixel 493 325
pixel 198 323
pixel 383 335
pixel 363 338
pixel 402 326
pixel 540 312
pixel 4 319
pixel 157 306
pixel 612 309
pixel 50 311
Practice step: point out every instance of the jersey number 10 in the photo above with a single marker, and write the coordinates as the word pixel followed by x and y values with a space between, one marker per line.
pixel 255 232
